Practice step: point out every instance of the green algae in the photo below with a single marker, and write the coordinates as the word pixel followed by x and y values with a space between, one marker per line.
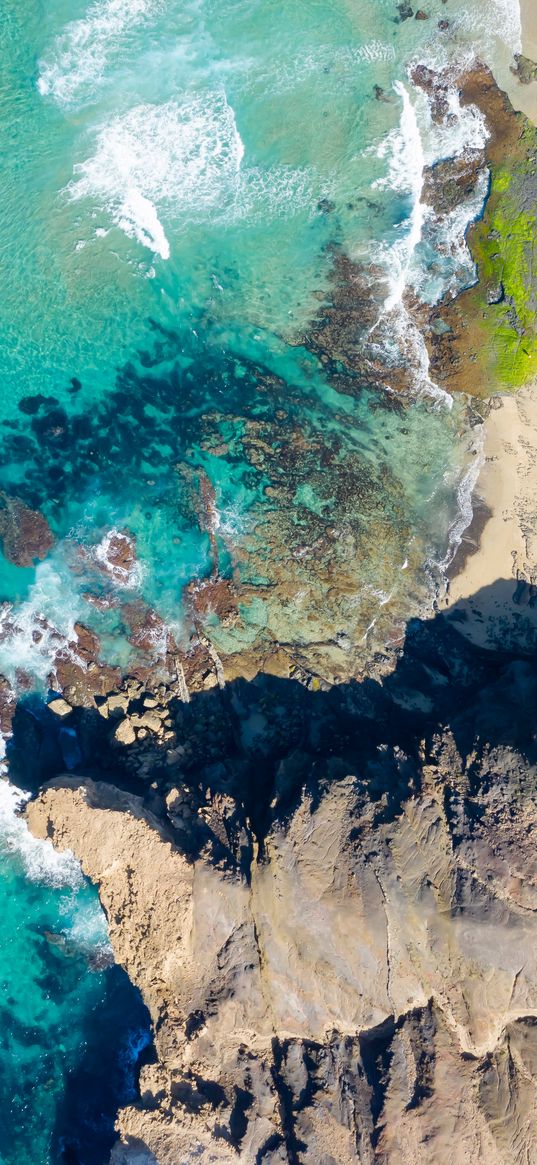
pixel 503 244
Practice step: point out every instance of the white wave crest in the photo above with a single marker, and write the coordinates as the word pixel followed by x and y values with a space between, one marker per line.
pixel 80 54
pixel 115 554
pixel 429 256
pixel 465 495
pixel 180 162
pixel 39 860
pixel 403 148
pixel 34 632
pixel 376 51
pixel 162 158
pixel 498 20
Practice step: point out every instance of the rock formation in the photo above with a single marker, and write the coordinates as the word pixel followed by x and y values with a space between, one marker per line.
pixel 328 900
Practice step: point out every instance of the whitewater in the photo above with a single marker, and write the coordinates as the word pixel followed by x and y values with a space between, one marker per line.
pixel 179 181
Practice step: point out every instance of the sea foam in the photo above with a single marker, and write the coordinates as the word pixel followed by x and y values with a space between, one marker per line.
pixel 465 499
pixel 39 860
pixel 403 149
pixel 80 53
pixel 34 631
pixel 175 158
pixel 182 162
pixel 416 143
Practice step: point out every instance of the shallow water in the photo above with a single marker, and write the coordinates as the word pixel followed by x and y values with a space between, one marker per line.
pixel 166 232
pixel 176 181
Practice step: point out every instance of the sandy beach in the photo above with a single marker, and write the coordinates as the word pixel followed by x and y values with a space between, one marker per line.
pixel 528 13
pixel 498 579
pixel 493 590
pixel 524 97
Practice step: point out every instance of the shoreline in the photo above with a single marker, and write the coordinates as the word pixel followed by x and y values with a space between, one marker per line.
pixel 497 575
pixel 528 17
pixel 524 95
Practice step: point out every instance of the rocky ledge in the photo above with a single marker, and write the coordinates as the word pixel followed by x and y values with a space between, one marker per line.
pixel 328 901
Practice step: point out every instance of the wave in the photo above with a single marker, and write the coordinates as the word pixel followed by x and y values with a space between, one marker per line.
pixel 409 149
pixel 33 632
pixel 498 20
pixel 403 148
pixel 80 54
pixel 465 496
pixel 180 162
pixel 178 157
pixel 396 329
pixel 85 929
pixel 115 555
pixel 429 257
pixel 39 860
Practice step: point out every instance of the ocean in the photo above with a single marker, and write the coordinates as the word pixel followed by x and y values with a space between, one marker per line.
pixel 183 187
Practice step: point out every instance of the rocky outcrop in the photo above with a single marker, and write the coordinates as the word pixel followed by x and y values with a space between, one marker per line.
pixel 485 337
pixel 330 907
pixel 25 534
pixel 368 991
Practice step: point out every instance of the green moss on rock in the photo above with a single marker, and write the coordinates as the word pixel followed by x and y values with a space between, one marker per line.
pixel 504 245
pixel 485 339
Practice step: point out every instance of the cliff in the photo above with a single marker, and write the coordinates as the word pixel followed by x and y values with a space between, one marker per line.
pixel 333 925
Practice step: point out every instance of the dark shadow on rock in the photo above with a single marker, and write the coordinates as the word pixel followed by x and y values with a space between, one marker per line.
pixel 115 1042
pixel 247 752
pixel 452 711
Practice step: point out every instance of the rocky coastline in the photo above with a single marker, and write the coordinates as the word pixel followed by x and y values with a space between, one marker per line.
pixel 327 901
pixel 323 881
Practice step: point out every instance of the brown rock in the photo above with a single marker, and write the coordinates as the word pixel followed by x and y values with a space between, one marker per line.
pixel 88 644
pixel 60 708
pixel 378 970
pixel 25 534
pixel 124 733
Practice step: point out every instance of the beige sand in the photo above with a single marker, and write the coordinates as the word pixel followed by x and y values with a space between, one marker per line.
pixel 507 551
pixel 524 97
pixel 528 13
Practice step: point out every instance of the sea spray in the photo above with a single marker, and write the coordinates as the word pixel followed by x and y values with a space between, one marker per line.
pixel 396 327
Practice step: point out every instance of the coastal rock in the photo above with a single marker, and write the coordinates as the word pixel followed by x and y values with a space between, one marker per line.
pixel 340 962
pixel 87 643
pixel 115 556
pixel 25 533
pixel 60 707
pixel 124 733
pixel 524 69
pixel 490 338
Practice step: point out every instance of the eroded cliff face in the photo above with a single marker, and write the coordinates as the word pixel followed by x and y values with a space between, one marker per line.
pixel 353 976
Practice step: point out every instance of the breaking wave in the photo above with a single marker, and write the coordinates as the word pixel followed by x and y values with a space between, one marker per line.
pixel 180 163
pixel 80 54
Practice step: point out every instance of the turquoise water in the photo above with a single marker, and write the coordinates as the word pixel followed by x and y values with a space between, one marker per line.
pixel 176 181
pixel 60 1080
